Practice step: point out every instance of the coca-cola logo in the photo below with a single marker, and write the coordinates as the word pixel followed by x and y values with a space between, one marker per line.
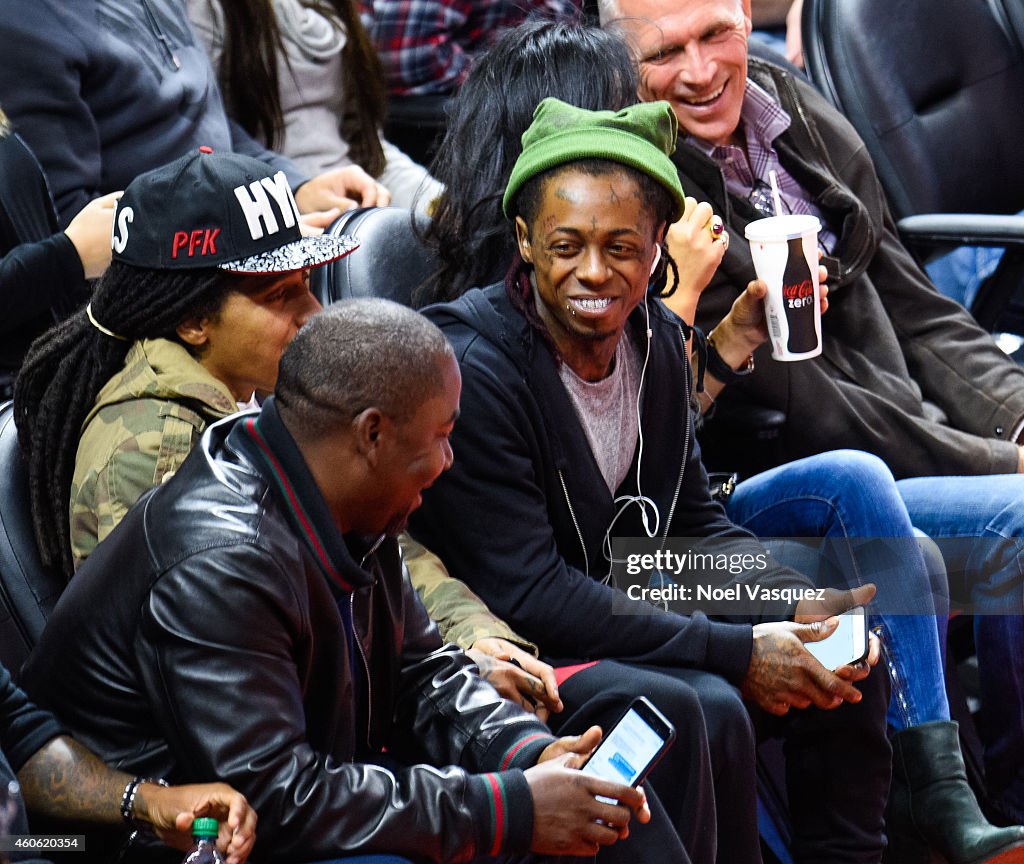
pixel 798 290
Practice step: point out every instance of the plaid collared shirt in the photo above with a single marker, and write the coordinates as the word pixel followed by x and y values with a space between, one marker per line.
pixel 426 46
pixel 762 120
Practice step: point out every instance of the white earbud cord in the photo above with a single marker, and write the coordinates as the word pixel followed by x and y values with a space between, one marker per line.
pixel 641 500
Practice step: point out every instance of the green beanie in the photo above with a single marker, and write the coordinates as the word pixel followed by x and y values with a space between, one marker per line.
pixel 641 136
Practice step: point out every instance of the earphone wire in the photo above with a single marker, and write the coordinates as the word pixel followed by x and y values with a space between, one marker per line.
pixel 641 500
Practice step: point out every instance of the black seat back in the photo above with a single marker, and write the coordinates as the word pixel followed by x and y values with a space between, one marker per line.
pixel 28 591
pixel 936 90
pixel 391 261
pixel 1010 14
pixel 416 124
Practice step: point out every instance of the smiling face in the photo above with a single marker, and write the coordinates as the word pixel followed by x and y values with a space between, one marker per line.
pixel 694 55
pixel 592 244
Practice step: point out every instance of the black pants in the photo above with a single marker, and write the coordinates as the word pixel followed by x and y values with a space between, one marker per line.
pixel 703 787
pixel 837 766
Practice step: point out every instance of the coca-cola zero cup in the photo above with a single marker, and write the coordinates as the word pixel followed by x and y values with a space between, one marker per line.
pixel 785 253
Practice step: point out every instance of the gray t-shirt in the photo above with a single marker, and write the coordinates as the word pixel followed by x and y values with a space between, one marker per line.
pixel 608 411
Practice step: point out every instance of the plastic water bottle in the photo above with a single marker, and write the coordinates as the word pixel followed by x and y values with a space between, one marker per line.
pixel 204 849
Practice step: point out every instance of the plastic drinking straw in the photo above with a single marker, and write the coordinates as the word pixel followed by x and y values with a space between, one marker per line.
pixel 776 197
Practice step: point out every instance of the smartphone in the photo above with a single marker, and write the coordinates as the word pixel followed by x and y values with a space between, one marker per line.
pixel 633 746
pixel 847 644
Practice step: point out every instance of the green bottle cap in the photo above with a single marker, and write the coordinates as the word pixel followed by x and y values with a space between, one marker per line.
pixel 205 828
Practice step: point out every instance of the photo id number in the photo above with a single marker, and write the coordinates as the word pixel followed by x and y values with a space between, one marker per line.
pixel 29 842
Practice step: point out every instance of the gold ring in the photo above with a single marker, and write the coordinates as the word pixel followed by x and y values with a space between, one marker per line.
pixel 717 225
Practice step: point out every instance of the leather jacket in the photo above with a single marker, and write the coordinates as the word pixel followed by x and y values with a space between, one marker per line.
pixel 905 373
pixel 208 638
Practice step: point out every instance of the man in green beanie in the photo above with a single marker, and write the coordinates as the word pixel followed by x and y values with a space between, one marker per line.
pixel 575 432
pixel 905 374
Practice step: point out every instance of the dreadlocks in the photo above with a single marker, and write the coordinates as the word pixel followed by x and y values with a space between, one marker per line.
pixel 67 366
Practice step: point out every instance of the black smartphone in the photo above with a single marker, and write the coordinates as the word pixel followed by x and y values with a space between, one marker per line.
pixel 633 746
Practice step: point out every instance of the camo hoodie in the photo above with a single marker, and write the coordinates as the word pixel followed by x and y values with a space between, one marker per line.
pixel 146 420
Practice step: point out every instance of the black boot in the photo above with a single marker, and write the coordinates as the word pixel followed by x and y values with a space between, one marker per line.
pixel 932 809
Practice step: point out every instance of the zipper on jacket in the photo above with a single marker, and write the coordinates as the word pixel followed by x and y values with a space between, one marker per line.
pixel 359 642
pixel 809 130
pixel 160 36
pixel 688 385
pixel 572 513
pixel 366 667
pixel 372 549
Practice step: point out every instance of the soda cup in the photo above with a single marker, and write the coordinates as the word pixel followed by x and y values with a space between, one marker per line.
pixel 785 253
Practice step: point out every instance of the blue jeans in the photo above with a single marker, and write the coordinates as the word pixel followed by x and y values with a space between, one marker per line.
pixel 849 494
pixel 959 273
pixel 978 523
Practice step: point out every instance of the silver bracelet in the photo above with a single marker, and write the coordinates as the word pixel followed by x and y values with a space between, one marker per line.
pixel 131 789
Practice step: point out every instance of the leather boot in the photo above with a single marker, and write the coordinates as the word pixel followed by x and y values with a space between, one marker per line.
pixel 932 809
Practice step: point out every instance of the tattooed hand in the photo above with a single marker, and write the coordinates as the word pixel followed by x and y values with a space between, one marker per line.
pixel 65 781
pixel 517 675
pixel 783 674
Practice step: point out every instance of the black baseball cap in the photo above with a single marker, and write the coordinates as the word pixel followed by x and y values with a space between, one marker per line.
pixel 222 210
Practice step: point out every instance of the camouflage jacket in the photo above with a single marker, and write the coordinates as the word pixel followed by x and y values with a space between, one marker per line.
pixel 147 419
pixel 460 615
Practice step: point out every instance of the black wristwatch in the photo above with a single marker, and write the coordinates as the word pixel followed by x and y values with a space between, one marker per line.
pixel 722 370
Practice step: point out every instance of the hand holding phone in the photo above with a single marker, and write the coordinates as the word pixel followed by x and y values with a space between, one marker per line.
pixel 572 812
pixel 633 745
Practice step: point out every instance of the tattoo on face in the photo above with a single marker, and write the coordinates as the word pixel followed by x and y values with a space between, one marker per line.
pixel 549 224
pixel 612 198
pixel 593 226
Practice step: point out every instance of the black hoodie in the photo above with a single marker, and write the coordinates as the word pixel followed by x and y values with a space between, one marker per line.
pixel 522 514
pixel 103 90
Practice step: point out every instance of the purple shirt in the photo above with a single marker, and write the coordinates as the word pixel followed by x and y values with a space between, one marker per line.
pixel 762 120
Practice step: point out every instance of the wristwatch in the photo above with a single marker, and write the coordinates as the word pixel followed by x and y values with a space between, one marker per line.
pixel 722 370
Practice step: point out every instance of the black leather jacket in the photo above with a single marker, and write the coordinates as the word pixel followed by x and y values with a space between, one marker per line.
pixel 205 639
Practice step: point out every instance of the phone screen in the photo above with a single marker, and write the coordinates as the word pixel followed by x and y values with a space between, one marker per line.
pixel 632 746
pixel 847 644
pixel 626 752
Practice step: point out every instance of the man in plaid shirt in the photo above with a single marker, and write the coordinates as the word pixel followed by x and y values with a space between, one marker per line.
pixel 426 46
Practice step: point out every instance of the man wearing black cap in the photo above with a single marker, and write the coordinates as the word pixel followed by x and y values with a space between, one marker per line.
pixel 208 284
